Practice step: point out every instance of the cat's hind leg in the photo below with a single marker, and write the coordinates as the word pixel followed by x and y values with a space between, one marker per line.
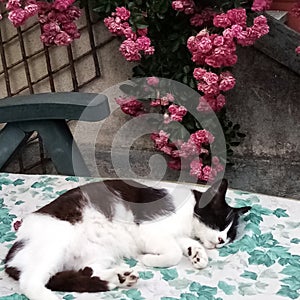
pixel 164 252
pixel 115 276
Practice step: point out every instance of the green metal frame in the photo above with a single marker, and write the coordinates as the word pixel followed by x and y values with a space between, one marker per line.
pixel 47 114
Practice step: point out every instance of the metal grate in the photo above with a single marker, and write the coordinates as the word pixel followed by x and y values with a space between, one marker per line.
pixel 32 81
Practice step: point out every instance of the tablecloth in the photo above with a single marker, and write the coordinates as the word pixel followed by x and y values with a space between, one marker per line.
pixel 263 263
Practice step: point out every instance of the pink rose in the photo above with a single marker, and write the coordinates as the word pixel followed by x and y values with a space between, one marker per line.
pixel 153 81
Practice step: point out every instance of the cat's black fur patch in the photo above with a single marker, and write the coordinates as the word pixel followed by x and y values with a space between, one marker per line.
pixel 67 207
pixel 77 281
pixel 104 196
pixel 11 271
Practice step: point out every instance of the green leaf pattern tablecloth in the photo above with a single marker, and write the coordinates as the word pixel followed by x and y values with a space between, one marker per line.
pixel 263 264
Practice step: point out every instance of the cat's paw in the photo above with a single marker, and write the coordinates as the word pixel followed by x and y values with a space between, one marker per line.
pixel 198 257
pixel 127 278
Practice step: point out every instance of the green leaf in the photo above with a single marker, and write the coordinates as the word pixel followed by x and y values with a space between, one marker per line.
pixel 226 288
pixel 246 289
pixel 145 275
pixel 19 202
pixel 69 297
pixel 268 273
pixel 292 282
pixel 279 213
pixel 180 284
pixel 249 275
pixel 169 274
pixel 295 241
pixel 131 262
pixel 134 294
pixel 188 296
pixel 203 289
pixel 259 257
pixel 72 178
pixel 18 182
pixel 253 227
pixel 286 291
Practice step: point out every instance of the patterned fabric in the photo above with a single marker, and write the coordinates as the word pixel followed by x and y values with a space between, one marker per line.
pixel 263 264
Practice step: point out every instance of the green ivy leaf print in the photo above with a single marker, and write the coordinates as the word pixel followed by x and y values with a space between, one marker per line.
pixel 169 274
pixel 249 275
pixel 260 210
pixel 18 182
pixel 146 275
pixel 203 291
pixel 188 296
pixel 259 257
pixel 72 178
pixel 286 291
pixel 69 297
pixel 134 294
pixel 295 241
pixel 130 262
pixel 226 288
pixel 180 284
pixel 279 213
pixel 14 297
pixel 292 282
pixel 246 289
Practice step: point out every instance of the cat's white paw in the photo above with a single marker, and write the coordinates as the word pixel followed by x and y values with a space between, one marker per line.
pixel 198 257
pixel 127 278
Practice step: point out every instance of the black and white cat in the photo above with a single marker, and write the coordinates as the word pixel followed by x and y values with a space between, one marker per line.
pixel 75 242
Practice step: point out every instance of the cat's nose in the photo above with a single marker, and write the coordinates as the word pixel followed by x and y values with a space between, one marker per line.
pixel 221 241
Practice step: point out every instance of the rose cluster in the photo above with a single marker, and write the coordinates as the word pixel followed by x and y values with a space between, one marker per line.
pixel 187 155
pixel 56 18
pixel 183 154
pixel 20 11
pixel 135 43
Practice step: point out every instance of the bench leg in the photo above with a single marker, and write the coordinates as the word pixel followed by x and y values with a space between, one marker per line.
pixel 11 137
pixel 60 145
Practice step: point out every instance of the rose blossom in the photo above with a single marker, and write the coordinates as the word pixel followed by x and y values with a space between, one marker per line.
pixel 62 5
pixel 17 16
pixel 227 81
pixel 153 81
pixel 123 13
pixel 260 5
pixel 130 106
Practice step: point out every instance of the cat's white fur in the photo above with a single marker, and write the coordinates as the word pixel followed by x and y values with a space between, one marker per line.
pixel 53 245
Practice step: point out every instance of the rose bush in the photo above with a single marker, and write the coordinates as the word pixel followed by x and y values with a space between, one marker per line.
pixel 190 41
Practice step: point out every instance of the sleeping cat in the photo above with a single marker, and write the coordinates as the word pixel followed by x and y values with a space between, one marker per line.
pixel 74 243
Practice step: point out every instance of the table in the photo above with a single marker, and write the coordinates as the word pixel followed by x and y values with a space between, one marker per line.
pixel 264 263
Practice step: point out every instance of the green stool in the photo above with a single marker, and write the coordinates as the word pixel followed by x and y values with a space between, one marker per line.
pixel 47 114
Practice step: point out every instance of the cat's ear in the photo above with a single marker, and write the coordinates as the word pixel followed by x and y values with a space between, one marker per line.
pixel 218 189
pixel 197 195
pixel 242 210
pixel 215 195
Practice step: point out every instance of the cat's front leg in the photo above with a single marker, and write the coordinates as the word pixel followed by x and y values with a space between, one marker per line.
pixel 195 252
pixel 161 252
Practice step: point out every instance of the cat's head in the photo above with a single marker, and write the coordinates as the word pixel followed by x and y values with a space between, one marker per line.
pixel 215 222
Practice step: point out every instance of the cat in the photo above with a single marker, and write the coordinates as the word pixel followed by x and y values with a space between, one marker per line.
pixel 74 243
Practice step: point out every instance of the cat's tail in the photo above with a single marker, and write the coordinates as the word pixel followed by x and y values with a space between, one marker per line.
pixel 77 281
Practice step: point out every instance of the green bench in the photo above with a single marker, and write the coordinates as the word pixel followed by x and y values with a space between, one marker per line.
pixel 47 114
